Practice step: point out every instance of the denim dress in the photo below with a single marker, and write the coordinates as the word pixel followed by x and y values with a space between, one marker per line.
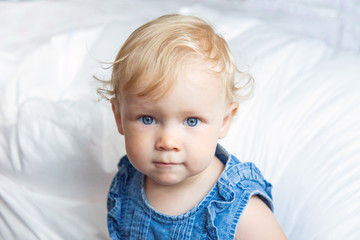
pixel 130 216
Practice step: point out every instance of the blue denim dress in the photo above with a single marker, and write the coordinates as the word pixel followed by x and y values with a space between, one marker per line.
pixel 130 216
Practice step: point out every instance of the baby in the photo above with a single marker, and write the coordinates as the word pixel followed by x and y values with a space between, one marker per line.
pixel 174 95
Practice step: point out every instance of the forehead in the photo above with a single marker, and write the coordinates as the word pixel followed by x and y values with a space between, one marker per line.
pixel 200 79
pixel 194 75
pixel 195 91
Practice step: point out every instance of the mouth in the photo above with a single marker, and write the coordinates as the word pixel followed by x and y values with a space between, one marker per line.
pixel 165 164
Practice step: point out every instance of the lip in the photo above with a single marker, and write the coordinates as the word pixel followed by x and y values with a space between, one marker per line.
pixel 165 164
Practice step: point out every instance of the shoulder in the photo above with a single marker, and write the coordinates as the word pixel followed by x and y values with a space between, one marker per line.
pixel 258 222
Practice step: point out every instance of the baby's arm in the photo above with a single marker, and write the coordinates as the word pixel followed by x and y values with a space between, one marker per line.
pixel 258 222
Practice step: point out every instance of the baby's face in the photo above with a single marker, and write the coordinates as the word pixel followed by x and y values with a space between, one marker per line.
pixel 173 139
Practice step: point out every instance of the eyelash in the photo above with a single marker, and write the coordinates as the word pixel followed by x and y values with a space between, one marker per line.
pixel 190 122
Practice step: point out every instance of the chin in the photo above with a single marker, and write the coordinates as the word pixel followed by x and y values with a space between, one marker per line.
pixel 167 180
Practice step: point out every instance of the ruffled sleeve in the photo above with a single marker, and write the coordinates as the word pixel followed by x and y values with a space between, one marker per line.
pixel 238 183
pixel 120 181
pixel 117 190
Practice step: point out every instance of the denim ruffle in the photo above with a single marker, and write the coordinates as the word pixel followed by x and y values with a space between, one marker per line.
pixel 238 183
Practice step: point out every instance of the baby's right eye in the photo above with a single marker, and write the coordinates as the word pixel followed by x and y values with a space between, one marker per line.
pixel 147 120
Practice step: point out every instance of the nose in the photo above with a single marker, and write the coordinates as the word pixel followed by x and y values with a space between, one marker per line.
pixel 167 141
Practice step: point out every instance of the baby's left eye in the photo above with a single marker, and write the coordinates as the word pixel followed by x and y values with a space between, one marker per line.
pixel 192 121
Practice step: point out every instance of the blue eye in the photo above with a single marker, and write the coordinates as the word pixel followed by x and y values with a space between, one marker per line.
pixel 192 121
pixel 147 120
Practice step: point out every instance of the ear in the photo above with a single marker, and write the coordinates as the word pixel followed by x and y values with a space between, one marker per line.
pixel 229 116
pixel 116 110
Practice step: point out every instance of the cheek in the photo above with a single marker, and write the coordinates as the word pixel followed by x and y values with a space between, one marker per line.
pixel 203 147
pixel 138 144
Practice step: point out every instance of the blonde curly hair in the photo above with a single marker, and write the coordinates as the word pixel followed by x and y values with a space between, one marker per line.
pixel 153 57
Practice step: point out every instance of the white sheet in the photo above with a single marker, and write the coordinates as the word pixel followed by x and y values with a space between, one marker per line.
pixel 59 146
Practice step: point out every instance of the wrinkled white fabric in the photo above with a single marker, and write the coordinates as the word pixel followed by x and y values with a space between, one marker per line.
pixel 59 145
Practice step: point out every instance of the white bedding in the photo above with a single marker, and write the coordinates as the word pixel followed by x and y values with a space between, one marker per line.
pixel 59 146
